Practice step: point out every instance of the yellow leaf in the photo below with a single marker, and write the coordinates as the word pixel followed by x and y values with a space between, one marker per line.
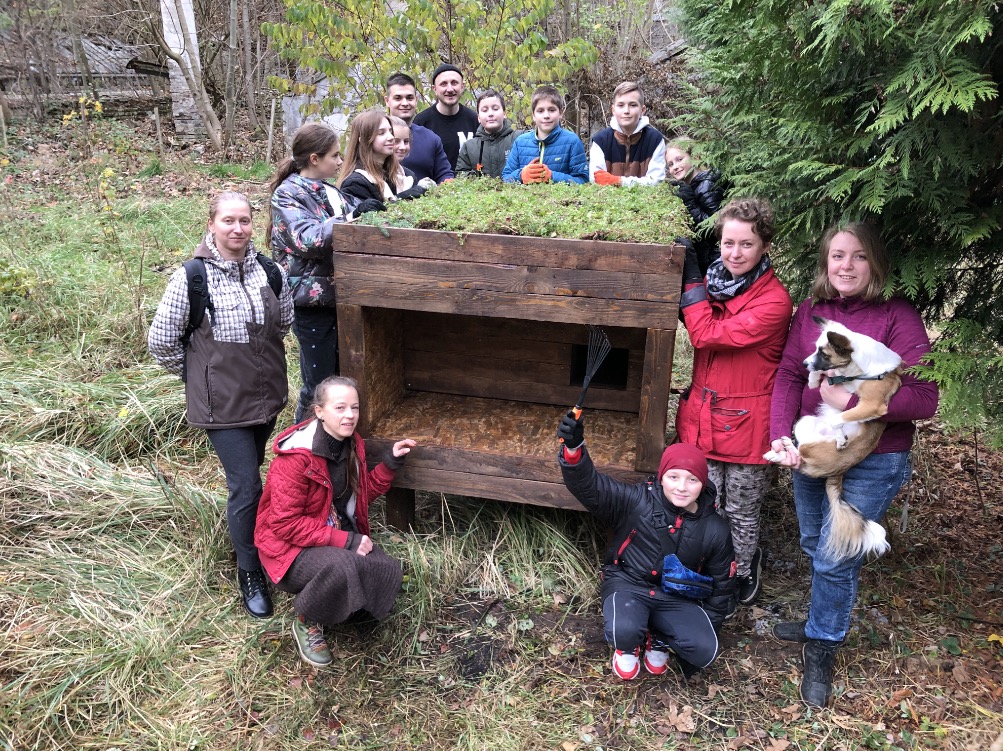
pixel 123 413
pixel 995 637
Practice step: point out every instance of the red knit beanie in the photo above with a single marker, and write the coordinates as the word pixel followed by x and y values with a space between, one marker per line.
pixel 684 456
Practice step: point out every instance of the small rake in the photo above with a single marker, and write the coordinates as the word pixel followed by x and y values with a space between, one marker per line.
pixel 599 347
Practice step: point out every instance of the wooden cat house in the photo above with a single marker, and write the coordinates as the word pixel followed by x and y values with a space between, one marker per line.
pixel 475 345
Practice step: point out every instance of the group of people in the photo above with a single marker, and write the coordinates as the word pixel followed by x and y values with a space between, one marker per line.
pixel 684 546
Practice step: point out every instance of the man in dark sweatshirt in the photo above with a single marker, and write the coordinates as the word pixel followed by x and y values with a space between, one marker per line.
pixel 449 119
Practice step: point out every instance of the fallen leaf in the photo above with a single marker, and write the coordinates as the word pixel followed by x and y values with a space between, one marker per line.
pixel 569 746
pixel 898 696
pixel 423 636
pixel 739 742
pixel 960 674
pixel 713 690
pixel 560 598
pixel 309 734
pixel 778 744
pixel 296 682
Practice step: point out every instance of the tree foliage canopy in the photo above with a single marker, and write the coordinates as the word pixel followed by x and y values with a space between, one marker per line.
pixel 880 110
pixel 356 44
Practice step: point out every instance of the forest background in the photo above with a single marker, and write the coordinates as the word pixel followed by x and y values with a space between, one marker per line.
pixel 114 634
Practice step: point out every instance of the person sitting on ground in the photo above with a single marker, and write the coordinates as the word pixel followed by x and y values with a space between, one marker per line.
pixel 313 529
pixel 427 157
pixel 701 191
pixel 370 168
pixel 233 366
pixel 549 153
pixel 630 151
pixel 487 151
pixel 668 575
pixel 452 122
pixel 408 186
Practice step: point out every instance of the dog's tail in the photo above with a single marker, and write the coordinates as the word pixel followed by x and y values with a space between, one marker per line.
pixel 850 534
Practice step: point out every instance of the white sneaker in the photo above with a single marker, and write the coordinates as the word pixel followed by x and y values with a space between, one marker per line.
pixel 626 665
pixel 656 661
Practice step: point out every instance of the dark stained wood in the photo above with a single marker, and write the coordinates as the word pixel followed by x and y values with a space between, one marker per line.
pixel 534 280
pixel 475 302
pixel 512 249
pixel 654 410
pixel 352 356
pixel 512 489
pixel 507 332
pixel 400 508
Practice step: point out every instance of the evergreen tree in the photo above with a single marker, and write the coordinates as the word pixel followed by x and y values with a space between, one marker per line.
pixel 878 110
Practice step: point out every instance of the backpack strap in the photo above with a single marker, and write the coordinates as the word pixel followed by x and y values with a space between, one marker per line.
pixel 198 298
pixel 272 272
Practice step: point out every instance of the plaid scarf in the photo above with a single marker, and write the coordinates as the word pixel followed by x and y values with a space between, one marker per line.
pixel 721 285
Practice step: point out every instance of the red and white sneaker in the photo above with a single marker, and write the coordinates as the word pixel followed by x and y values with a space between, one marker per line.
pixel 655 660
pixel 626 664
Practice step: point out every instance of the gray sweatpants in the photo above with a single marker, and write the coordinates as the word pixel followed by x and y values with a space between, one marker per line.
pixel 740 492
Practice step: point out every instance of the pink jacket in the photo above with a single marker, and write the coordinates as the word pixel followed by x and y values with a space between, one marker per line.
pixel 737 345
pixel 296 502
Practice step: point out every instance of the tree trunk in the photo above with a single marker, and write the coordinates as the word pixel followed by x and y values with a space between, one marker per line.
pixel 231 65
pixel 252 102
pixel 73 27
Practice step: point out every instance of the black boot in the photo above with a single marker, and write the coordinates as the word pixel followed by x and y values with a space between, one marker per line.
pixel 816 683
pixel 688 668
pixel 790 631
pixel 254 589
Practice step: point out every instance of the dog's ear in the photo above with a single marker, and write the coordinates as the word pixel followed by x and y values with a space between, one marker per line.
pixel 820 320
pixel 840 343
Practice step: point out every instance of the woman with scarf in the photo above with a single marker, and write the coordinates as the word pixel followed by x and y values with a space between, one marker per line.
pixel 737 319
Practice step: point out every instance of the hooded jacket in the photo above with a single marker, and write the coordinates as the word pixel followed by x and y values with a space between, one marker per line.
pixel 304 212
pixel 645 528
pixel 563 154
pixel 637 159
pixel 236 358
pixel 296 501
pixel 737 345
pixel 489 150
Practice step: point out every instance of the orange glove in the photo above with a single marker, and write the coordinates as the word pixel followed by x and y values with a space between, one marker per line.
pixel 545 174
pixel 533 172
pixel 602 177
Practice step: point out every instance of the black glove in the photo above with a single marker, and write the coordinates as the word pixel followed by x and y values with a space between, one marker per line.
pixel 691 265
pixel 685 192
pixel 571 430
pixel 369 204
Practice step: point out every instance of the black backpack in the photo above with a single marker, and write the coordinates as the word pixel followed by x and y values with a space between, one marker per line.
pixel 199 300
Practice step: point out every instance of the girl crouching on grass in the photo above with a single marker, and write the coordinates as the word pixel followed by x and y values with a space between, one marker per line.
pixel 313 520
pixel 668 579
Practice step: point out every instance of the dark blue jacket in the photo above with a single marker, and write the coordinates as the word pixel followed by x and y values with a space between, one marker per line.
pixel 427 157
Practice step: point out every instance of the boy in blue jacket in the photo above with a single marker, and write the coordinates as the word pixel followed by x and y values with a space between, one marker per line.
pixel 549 153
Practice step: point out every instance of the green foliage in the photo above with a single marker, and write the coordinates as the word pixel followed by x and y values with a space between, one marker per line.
pixel 585 212
pixel 14 280
pixel 865 109
pixel 356 45
pixel 259 170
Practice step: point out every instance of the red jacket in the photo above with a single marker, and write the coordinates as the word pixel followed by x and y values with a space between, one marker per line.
pixel 296 502
pixel 737 346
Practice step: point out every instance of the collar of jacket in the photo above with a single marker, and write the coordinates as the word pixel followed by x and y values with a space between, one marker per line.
pixel 506 129
pixel 642 123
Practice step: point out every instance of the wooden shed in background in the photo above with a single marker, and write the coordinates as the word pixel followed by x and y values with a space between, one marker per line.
pixel 475 345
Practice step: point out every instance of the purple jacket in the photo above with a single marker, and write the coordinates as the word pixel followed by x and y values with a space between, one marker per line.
pixel 896 324
pixel 427 157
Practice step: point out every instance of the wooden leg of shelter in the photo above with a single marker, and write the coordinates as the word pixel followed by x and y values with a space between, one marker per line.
pixel 400 508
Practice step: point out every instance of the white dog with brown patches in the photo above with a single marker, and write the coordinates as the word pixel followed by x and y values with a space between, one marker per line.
pixel 832 441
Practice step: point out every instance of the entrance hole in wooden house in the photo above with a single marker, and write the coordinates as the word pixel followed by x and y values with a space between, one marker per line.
pixel 612 374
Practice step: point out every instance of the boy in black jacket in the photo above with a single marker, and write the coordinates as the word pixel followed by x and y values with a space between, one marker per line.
pixel 668 578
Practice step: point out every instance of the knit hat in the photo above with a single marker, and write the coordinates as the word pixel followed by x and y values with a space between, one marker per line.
pixel 444 68
pixel 684 456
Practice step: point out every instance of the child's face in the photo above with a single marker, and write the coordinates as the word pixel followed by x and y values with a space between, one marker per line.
pixel 681 489
pixel 491 114
pixel 339 414
pixel 546 117
pixel 402 142
pixel 383 141
pixel 627 109
pixel 678 163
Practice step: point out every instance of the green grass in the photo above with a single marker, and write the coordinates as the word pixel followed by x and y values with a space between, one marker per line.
pixel 120 627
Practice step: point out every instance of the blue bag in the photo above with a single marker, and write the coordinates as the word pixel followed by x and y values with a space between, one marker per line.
pixel 679 580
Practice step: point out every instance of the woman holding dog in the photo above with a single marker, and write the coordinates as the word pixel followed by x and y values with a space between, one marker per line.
pixel 853 266
pixel 737 319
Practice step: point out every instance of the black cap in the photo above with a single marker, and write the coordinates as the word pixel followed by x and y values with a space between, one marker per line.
pixel 443 69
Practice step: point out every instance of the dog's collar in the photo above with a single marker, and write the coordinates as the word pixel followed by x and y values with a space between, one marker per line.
pixel 836 380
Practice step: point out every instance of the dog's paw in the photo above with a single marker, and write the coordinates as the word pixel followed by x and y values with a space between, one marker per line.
pixel 814 379
pixel 773 456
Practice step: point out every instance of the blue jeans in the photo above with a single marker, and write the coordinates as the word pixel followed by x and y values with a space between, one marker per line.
pixel 870 487
pixel 316 329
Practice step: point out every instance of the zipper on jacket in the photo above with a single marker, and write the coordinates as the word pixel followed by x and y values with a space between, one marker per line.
pixel 208 393
pixel 623 546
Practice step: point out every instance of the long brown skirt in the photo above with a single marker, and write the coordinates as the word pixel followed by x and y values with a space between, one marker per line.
pixel 331 583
